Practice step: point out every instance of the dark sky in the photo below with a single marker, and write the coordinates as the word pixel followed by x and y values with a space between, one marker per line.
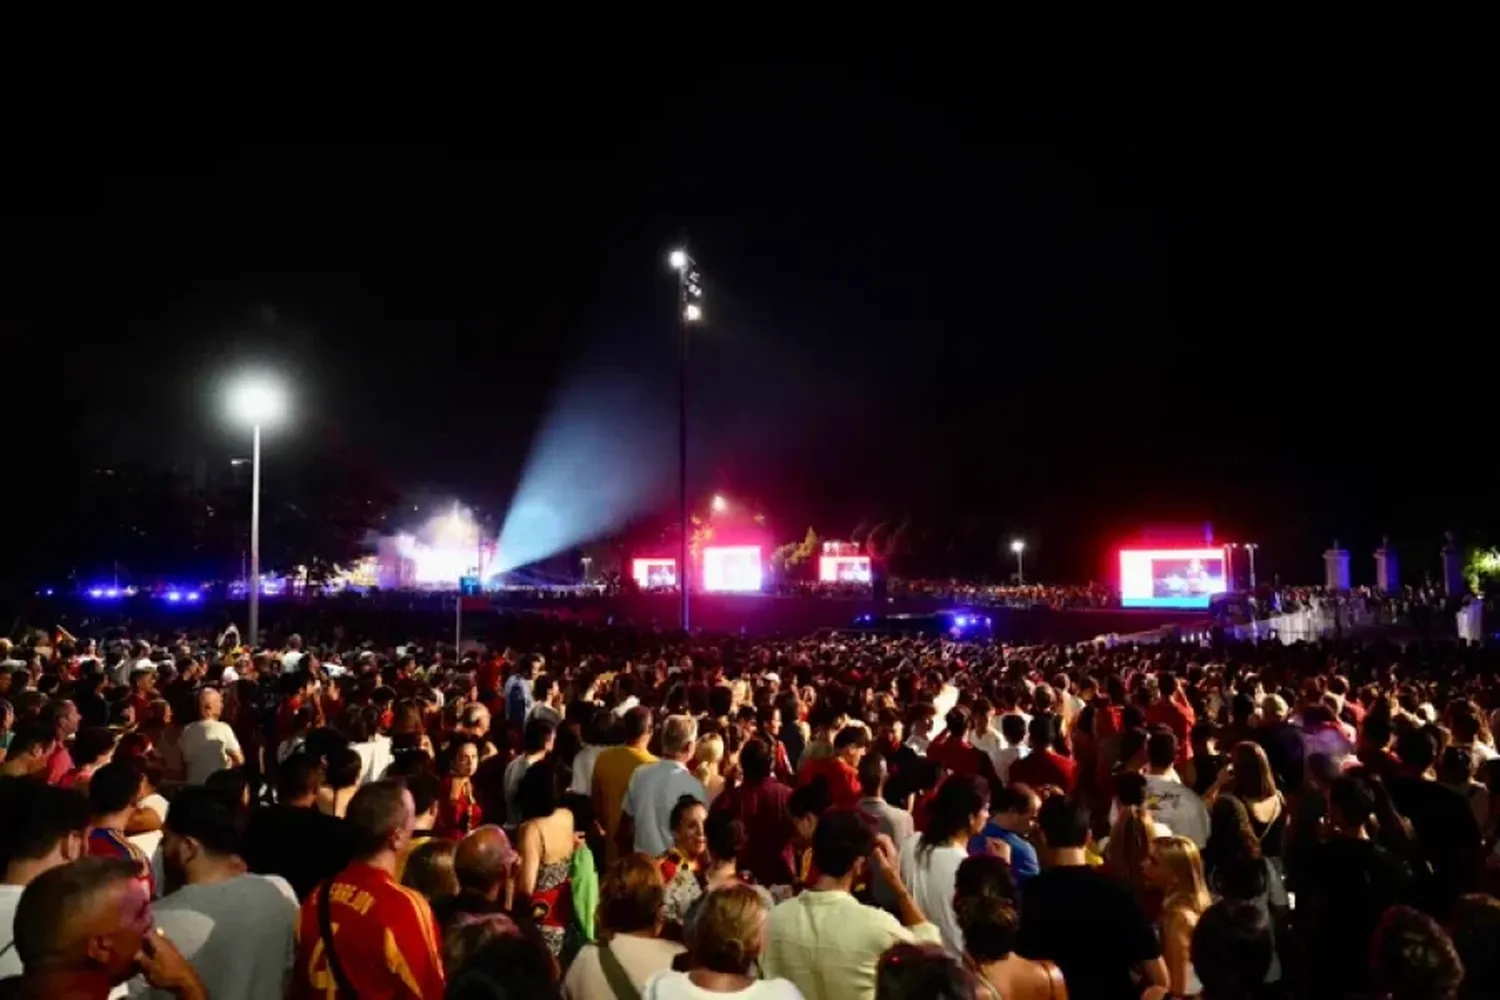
pixel 1066 315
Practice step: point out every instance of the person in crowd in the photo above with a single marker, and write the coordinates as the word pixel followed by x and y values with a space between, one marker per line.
pixel 824 940
pixel 1475 928
pixel 429 870
pixel 114 792
pixel 631 948
pixel 654 790
pixel 92 749
pixel 1175 870
pixel 340 777
pixel 985 904
pixel 485 866
pixel 708 761
pixel 599 735
pixel 209 744
pixel 761 803
pixel 30 751
pixel 54 832
pixel 491 958
pixel 1231 951
pixel 886 820
pixel 682 865
pixel 1077 918
pixel 922 972
pixel 458 806
pixel 1013 812
pixel 1412 957
pixel 840 769
pixel 362 933
pixel 1043 766
pixel 293 839
pixel 614 770
pixel 537 741
pixel 236 928
pixel 83 929
pixel 930 860
pixel 544 885
pixel 724 944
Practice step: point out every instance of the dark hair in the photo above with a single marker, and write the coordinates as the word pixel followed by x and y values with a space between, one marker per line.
pixel 1475 928
pixel 1231 949
pixel 210 816
pixel 538 730
pixel 113 787
pixel 1012 799
pixel 725 835
pixel 812 799
pixel 950 810
pixel 345 765
pixel 636 723
pixel 1413 959
pixel 984 904
pixel 1353 800
pixel 872 771
pixel 680 809
pixel 26 737
pixel 1013 728
pixel 232 781
pixel 301 774
pixel 841 839
pixel 921 972
pixel 50 813
pixel 851 736
pixel 505 967
pixel 375 813
pixel 425 789
pixel 1063 822
pixel 541 791
pixel 1416 749
pixel 91 742
pixel 755 759
pixel 1161 748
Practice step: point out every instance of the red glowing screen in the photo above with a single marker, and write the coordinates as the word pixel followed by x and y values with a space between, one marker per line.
pixel 1171 578
pixel 844 569
pixel 654 574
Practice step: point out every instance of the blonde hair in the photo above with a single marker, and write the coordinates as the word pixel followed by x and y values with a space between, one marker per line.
pixel 1129 845
pixel 1187 887
pixel 728 930
pixel 708 756
pixel 429 869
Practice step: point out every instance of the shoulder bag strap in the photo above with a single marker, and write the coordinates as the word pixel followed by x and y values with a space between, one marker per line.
pixel 8 946
pixel 325 931
pixel 614 974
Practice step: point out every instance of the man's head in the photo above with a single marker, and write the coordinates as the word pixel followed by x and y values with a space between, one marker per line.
pixel 113 789
pixel 85 916
pixel 382 819
pixel 201 832
pixel 1063 824
pixel 299 779
pixel 636 726
pixel 62 716
pixel 483 861
pixel 426 789
pixel 210 704
pixel 679 734
pixel 48 828
pixel 872 775
pixel 30 746
pixel 476 720
pixel 841 843
pixel 1015 808
pixel 850 744
pixel 538 735
pixel 1161 750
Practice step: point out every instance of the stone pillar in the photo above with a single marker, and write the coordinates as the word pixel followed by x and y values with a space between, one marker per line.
pixel 1387 568
pixel 1453 567
pixel 1336 568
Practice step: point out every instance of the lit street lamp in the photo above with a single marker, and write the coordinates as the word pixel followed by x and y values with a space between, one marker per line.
pixel 1018 547
pixel 689 311
pixel 256 400
pixel 720 505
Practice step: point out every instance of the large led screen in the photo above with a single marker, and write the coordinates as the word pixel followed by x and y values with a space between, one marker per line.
pixel 1171 578
pixel 844 569
pixel 731 569
pixel 654 574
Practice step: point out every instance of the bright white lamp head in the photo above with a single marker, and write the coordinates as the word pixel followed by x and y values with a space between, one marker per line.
pixel 1017 545
pixel 720 505
pixel 678 259
pixel 257 400
pixel 692 312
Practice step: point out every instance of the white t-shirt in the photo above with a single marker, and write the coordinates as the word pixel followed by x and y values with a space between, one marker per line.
pixel 671 985
pixel 239 934
pixel 930 877
pixel 1175 809
pixel 583 770
pixel 375 755
pixel 150 843
pixel 641 957
pixel 10 898
pixel 653 792
pixel 206 745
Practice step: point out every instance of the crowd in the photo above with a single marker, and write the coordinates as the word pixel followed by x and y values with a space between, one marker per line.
pixel 615 814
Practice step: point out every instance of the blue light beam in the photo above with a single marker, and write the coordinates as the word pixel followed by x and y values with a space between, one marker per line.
pixel 602 457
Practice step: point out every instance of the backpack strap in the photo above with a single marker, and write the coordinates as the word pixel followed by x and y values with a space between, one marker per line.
pixel 325 931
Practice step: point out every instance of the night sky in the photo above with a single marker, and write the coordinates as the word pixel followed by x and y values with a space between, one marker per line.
pixel 1060 317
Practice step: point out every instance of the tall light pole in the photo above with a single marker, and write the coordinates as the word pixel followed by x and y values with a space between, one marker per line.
pixel 1250 547
pixel 1018 547
pixel 256 400
pixel 689 311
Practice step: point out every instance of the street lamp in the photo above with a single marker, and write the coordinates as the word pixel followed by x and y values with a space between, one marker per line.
pixel 720 505
pixel 257 400
pixel 1018 547
pixel 689 311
